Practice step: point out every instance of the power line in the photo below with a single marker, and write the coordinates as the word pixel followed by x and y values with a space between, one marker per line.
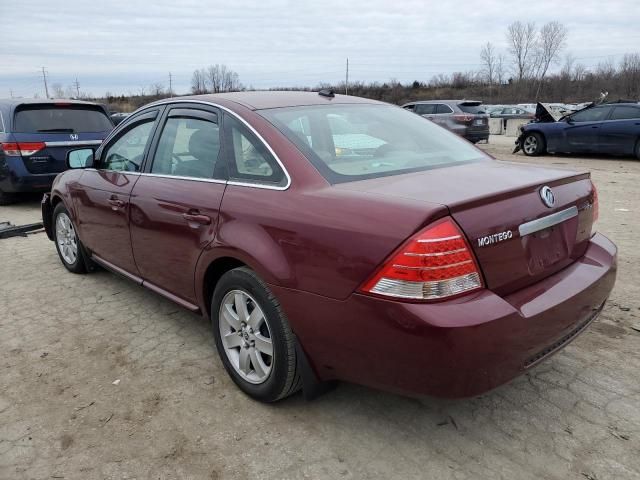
pixel 44 78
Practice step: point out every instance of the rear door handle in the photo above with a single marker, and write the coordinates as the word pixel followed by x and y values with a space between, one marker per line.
pixel 197 217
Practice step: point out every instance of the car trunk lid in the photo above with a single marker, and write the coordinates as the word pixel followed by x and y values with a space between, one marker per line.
pixel 516 238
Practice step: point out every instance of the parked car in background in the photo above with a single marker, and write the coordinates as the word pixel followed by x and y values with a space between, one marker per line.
pixel 35 136
pixel 117 117
pixel 466 118
pixel 415 263
pixel 511 112
pixel 612 128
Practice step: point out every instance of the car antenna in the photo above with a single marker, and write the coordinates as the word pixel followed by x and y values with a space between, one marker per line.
pixel 327 92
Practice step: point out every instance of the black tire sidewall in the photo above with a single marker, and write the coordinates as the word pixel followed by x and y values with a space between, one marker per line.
pixel 243 279
pixel 78 265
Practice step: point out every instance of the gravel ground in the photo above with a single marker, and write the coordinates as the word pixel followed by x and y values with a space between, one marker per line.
pixel 65 339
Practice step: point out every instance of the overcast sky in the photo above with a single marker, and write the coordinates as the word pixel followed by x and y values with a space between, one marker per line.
pixel 123 46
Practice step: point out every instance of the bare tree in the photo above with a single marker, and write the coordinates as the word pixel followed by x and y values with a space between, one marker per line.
pixel 157 89
pixel 630 74
pixel 551 40
pixel 489 63
pixel 58 91
pixel 522 42
pixel 198 82
pixel 220 78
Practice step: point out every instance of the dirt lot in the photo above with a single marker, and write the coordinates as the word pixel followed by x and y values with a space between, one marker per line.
pixel 174 414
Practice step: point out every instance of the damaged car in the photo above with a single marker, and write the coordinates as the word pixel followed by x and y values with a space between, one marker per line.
pixel 609 128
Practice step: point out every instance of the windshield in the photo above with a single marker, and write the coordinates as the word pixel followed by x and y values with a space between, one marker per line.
pixel 353 142
pixel 61 119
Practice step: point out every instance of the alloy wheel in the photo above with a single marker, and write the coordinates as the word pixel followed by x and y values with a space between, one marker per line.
pixel 246 336
pixel 530 144
pixel 66 238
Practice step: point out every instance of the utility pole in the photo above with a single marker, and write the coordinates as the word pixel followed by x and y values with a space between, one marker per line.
pixel 346 81
pixel 44 77
pixel 11 92
pixel 76 84
pixel 170 87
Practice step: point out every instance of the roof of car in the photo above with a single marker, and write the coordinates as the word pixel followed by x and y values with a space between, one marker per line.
pixel 258 100
pixel 21 101
pixel 462 100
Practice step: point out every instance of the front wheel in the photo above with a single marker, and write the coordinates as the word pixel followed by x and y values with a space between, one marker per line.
pixel 67 242
pixel 533 144
pixel 253 337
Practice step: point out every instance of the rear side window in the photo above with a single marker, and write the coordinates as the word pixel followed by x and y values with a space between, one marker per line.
pixel 188 147
pixel 625 113
pixel 61 119
pixel 473 108
pixel 425 108
pixel 442 108
pixel 250 160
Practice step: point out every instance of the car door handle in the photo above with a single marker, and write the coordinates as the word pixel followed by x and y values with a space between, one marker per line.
pixel 115 203
pixel 197 218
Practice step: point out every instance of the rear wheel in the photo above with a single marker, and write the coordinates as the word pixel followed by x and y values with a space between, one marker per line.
pixel 533 144
pixel 253 337
pixel 67 242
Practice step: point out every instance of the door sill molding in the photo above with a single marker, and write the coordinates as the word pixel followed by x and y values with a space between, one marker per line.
pixel 154 288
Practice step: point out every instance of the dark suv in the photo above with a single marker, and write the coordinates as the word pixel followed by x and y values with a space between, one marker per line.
pixel 466 118
pixel 35 136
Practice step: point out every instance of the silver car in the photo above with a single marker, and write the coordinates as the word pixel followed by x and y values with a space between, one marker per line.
pixel 466 118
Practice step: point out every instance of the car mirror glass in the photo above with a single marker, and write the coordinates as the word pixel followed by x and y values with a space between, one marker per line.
pixel 81 158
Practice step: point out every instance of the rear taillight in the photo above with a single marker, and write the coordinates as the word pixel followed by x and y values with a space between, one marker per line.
pixel 434 264
pixel 22 148
pixel 461 118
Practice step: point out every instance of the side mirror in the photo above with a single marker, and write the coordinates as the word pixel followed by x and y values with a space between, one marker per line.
pixel 569 120
pixel 80 158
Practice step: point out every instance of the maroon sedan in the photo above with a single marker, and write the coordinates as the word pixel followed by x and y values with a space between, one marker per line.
pixel 330 237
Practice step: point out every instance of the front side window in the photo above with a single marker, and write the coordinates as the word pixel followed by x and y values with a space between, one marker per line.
pixel 188 147
pixel 127 152
pixel 250 160
pixel 353 142
pixel 625 113
pixel 595 114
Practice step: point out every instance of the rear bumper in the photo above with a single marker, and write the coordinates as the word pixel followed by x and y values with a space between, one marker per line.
pixel 15 178
pixel 458 348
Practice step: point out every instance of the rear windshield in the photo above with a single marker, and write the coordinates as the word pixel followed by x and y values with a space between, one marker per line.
pixel 354 142
pixel 472 108
pixel 61 119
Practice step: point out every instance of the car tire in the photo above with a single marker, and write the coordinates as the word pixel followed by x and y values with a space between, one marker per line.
pixel 637 150
pixel 253 337
pixel 70 249
pixel 533 144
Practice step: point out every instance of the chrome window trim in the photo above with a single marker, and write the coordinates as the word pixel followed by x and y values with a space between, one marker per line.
pixel 4 128
pixel 548 221
pixel 238 183
pixel 73 143
pixel 178 177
